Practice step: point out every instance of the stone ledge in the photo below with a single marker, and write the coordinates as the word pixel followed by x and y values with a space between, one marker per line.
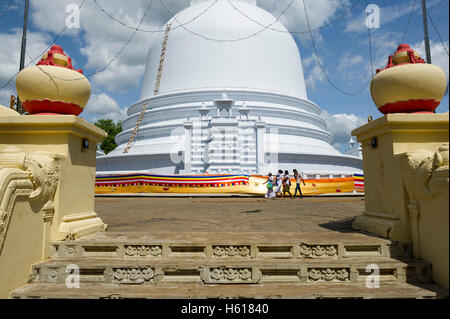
pixel 398 122
pixel 194 291
pixel 50 124
pixel 138 271
pixel 223 246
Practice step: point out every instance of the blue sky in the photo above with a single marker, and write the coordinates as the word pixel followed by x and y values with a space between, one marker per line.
pixel 343 48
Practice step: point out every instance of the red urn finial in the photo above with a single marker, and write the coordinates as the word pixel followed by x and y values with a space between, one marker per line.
pixel 403 55
pixel 57 57
pixel 53 86
pixel 408 84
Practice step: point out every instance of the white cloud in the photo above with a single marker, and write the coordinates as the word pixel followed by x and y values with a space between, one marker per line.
pixel 10 56
pixel 104 106
pixel 119 77
pixel 314 76
pixel 438 55
pixel 319 12
pixel 341 125
pixel 101 38
pixel 388 14
pixel 353 68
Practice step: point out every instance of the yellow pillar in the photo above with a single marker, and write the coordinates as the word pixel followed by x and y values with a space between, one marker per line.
pixel 47 185
pixel 74 140
pixel 386 212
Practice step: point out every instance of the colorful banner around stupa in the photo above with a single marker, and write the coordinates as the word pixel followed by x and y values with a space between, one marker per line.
pixel 216 184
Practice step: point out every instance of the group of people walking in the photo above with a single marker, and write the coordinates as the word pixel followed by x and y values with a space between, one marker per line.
pixel 281 184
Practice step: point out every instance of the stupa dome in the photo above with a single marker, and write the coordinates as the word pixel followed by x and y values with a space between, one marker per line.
pixel 193 63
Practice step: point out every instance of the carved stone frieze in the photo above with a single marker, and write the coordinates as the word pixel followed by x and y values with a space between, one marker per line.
pixel 328 274
pixel 132 275
pixel 227 274
pixel 231 251
pixel 143 251
pixel 318 251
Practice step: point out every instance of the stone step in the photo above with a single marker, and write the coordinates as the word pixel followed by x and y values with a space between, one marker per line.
pixel 193 291
pixel 315 245
pixel 230 271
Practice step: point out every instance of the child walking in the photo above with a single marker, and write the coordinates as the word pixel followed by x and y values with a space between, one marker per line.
pixel 270 194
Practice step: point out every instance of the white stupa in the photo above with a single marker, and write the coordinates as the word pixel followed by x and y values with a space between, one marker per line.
pixel 226 106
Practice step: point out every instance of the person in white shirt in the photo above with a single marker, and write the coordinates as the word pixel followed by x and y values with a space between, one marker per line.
pixel 298 178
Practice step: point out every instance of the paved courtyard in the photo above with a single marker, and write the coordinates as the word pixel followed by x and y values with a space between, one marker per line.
pixel 156 214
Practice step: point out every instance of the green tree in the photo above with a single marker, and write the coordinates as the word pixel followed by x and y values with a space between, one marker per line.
pixel 112 128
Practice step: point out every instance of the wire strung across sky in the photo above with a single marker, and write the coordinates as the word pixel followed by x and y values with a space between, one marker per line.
pixel 132 36
pixel 370 52
pixel 152 31
pixel 97 71
pixel 437 31
pixel 6 8
pixel 150 2
pixel 128 41
pixel 228 40
pixel 115 56
pixel 109 15
pixel 328 24
pixel 265 27
pixel 48 47
pixel 320 63
pixel 182 25
pixel 409 21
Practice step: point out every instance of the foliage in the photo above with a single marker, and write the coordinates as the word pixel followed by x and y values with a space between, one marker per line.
pixel 112 128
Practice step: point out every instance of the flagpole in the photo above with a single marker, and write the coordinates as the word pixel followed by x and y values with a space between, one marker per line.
pixel 425 29
pixel 24 45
